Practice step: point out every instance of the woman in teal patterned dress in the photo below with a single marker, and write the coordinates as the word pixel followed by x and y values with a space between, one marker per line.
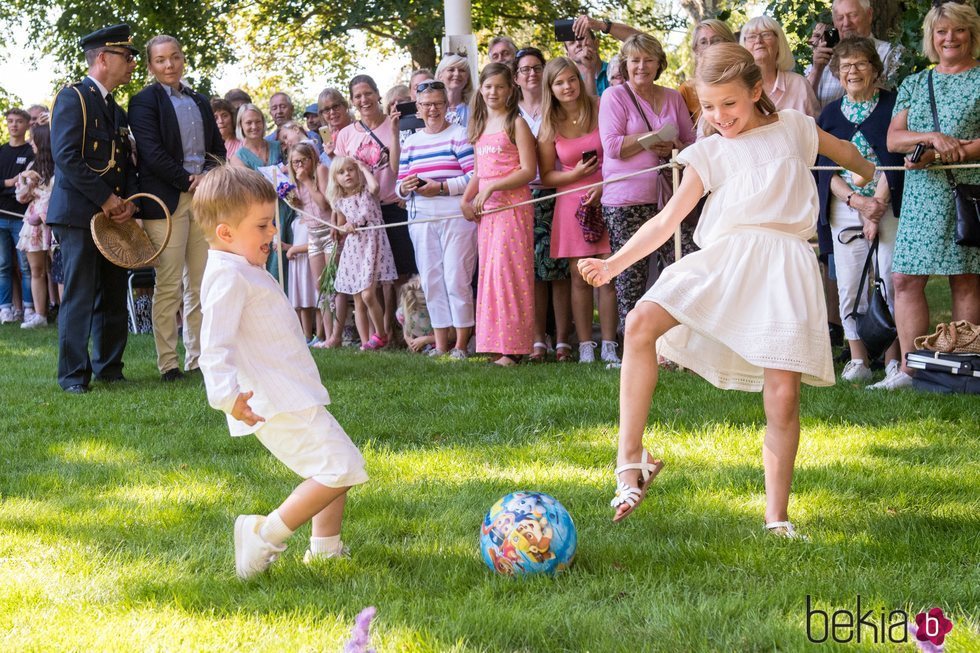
pixel 925 244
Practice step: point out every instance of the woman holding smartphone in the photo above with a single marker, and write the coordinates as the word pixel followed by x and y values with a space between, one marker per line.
pixel 570 134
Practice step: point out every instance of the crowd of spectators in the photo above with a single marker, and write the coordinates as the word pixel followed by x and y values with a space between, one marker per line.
pixel 587 121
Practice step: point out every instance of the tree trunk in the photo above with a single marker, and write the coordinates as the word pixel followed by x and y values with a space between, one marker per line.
pixel 423 52
pixel 698 10
pixel 885 18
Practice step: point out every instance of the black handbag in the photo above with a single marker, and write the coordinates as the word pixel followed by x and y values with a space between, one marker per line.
pixel 876 327
pixel 967 196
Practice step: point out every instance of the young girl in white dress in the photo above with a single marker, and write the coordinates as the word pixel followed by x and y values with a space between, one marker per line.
pixel 746 312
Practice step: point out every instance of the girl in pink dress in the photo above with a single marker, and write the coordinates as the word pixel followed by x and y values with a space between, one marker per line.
pixel 570 133
pixel 505 164
pixel 366 259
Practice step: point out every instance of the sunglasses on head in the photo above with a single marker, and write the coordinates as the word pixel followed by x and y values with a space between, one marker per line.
pixel 524 52
pixel 940 3
pixel 432 85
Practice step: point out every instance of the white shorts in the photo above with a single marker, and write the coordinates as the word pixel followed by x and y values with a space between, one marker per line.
pixel 314 445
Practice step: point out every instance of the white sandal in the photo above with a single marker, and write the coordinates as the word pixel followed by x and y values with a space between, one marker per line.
pixel 633 496
pixel 785 529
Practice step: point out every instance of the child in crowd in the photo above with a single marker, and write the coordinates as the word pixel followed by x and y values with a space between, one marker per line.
pixel 272 391
pixel 366 259
pixel 34 186
pixel 303 283
pixel 569 135
pixel 746 312
pixel 505 163
pixel 413 315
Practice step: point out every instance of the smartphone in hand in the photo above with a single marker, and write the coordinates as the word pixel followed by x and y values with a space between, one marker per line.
pixel 563 30
pixel 917 153
pixel 589 156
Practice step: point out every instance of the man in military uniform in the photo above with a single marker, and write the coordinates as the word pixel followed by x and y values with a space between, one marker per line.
pixel 94 171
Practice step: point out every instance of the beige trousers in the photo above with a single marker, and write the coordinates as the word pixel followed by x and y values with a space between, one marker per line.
pixel 180 269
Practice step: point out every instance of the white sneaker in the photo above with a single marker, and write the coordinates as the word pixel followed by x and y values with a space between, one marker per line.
pixel 18 315
pixel 35 321
pixel 7 316
pixel 897 380
pixel 458 354
pixel 608 354
pixel 856 371
pixel 253 555
pixel 891 369
pixel 309 557
pixel 586 352
pixel 435 353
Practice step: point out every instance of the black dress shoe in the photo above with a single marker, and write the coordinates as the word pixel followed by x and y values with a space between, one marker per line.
pixel 172 375
pixel 77 389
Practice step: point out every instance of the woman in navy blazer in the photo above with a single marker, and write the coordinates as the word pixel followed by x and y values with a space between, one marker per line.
pixel 854 216
pixel 177 141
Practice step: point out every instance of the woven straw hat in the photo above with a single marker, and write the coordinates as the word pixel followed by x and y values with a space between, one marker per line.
pixel 125 243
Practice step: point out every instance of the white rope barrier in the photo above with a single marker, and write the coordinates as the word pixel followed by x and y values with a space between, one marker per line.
pixel 670 164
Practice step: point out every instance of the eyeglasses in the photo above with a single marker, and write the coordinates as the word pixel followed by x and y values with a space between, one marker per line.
pixel 333 107
pixel 767 35
pixel 859 66
pixel 425 106
pixel 527 70
pixel 433 85
pixel 128 56
pixel 704 41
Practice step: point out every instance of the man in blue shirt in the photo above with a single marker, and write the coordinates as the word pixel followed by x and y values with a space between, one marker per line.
pixel 584 51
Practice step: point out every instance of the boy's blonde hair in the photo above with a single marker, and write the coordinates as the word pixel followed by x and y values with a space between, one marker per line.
pixel 226 193
pixel 334 190
pixel 729 62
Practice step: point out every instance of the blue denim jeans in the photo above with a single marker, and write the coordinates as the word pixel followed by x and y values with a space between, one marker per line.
pixel 9 234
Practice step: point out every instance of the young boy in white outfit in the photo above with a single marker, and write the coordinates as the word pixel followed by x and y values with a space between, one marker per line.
pixel 258 370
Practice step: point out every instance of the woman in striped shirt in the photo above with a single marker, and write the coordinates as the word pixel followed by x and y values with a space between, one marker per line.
pixel 435 165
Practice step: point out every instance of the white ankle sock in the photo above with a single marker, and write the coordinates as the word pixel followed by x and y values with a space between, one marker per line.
pixel 325 545
pixel 274 531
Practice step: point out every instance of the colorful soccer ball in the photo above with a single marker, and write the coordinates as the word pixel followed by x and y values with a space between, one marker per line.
pixel 528 533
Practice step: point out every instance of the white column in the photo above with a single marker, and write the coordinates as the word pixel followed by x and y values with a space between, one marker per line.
pixel 459 33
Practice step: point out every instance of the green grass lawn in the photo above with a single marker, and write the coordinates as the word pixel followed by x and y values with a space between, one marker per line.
pixel 116 514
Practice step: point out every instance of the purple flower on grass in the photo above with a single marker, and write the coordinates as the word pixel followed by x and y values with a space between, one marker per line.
pixel 360 636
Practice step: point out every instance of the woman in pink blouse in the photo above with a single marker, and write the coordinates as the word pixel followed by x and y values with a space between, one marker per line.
pixel 627 112
pixel 765 39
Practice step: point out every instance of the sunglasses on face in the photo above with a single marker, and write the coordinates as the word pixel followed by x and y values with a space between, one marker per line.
pixel 434 85
pixel 128 56
pixel 524 52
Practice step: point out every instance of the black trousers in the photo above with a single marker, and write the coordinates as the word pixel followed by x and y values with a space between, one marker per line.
pixel 93 306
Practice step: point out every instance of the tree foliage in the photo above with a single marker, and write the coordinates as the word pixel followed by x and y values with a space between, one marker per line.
pixel 55 27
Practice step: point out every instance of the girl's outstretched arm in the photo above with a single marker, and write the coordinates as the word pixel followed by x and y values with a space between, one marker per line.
pixel 650 236
pixel 845 154
pixel 370 181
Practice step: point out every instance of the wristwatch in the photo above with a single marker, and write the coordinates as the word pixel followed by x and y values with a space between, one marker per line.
pixel 442 188
pixel 608 27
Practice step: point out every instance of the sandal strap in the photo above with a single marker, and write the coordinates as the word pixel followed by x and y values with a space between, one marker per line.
pixel 539 345
pixel 646 467
pixel 773 525
pixel 563 345
pixel 625 494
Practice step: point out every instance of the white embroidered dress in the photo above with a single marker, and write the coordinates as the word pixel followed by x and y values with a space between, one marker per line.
pixel 752 297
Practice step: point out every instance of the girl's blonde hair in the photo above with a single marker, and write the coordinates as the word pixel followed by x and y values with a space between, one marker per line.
pixel 961 16
pixel 479 114
pixel 784 55
pixel 729 62
pixel 334 190
pixel 457 61
pixel 553 113
pixel 306 150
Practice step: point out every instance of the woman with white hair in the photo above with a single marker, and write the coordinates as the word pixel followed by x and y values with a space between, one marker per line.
pixel 766 40
pixel 454 72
